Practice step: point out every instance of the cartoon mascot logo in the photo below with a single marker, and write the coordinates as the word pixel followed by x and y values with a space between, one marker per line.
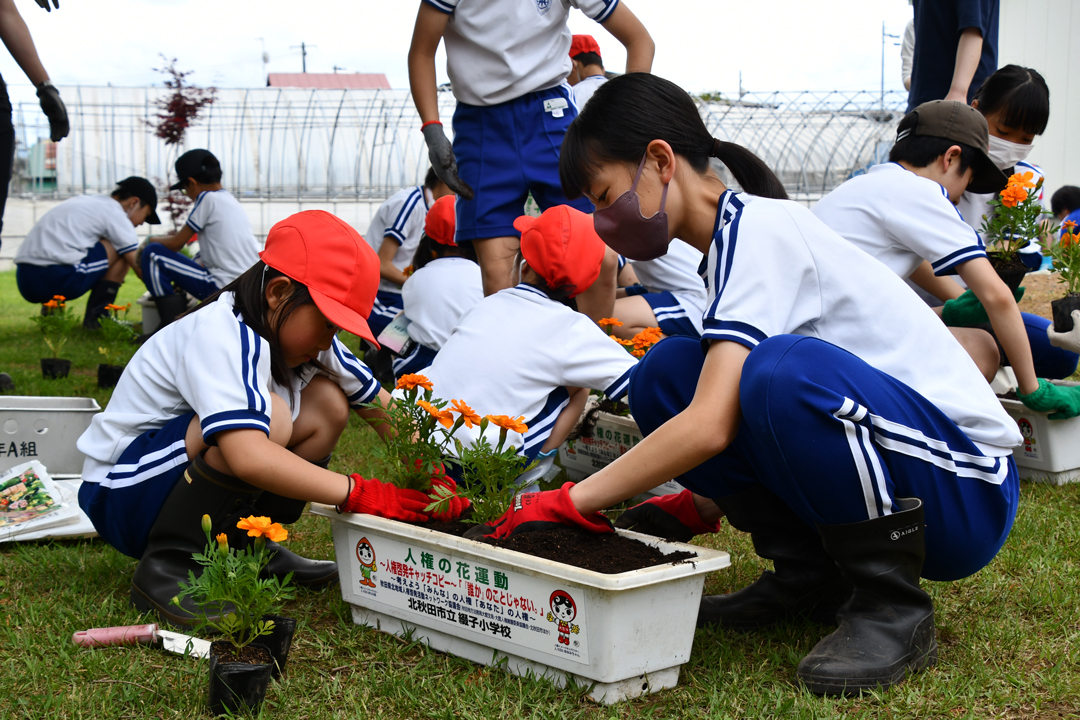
pixel 563 611
pixel 366 555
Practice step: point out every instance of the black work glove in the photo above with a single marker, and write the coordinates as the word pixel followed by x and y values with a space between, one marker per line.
pixel 54 109
pixel 441 154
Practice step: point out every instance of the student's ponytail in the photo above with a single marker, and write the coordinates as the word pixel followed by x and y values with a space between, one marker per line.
pixel 753 174
pixel 630 111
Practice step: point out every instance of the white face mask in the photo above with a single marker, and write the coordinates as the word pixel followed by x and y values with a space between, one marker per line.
pixel 1006 154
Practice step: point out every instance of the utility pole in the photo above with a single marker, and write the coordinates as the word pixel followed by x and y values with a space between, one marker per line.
pixel 265 59
pixel 883 36
pixel 303 53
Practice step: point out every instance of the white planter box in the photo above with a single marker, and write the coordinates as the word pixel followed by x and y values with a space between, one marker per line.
pixel 44 429
pixel 1051 449
pixel 629 635
pixel 612 437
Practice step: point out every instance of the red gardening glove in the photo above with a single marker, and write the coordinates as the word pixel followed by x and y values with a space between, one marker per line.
pixel 540 511
pixel 672 517
pixel 457 503
pixel 375 497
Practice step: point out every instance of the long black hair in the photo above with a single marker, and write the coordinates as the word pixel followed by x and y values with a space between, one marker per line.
pixel 428 250
pixel 627 113
pixel 1021 96
pixel 249 298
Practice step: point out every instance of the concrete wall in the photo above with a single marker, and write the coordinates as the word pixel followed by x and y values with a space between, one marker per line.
pixel 21 214
pixel 1045 35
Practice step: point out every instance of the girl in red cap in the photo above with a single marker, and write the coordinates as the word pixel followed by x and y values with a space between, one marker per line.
pixel 523 352
pixel 234 409
pixel 826 409
pixel 445 284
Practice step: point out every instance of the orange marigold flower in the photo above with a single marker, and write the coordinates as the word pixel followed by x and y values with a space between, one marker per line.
pixel 1013 195
pixel 646 338
pixel 505 421
pixel 638 353
pixel 467 413
pixel 222 541
pixel 443 416
pixel 613 322
pixel 262 527
pixel 1068 224
pixel 411 380
pixel 51 304
pixel 59 298
pixel 628 343
pixel 1023 180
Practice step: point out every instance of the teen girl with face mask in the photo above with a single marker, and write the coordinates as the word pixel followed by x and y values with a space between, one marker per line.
pixel 826 410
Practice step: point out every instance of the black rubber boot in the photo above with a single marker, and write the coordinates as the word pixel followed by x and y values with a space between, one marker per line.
pixel 306 572
pixel 177 533
pixel 886 628
pixel 6 383
pixel 170 306
pixel 102 294
pixel 805 582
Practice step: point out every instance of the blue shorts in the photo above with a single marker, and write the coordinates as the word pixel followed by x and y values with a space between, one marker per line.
pixel 163 268
pixel 671 316
pixel 504 152
pixel 387 306
pixel 38 283
pixel 416 359
pixel 839 441
pixel 126 504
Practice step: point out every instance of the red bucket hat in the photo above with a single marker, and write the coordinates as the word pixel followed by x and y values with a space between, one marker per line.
pixel 583 44
pixel 339 269
pixel 441 221
pixel 563 247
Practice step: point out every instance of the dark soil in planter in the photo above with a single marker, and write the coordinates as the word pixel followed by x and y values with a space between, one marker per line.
pixel 251 654
pixel 108 375
pixel 572 546
pixel 587 425
pixel 1062 310
pixel 53 368
pixel 1011 272
pixel 1011 395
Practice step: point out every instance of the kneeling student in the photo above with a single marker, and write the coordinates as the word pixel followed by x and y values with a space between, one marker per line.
pixel 86 244
pixel 902 213
pixel 234 409
pixel 445 284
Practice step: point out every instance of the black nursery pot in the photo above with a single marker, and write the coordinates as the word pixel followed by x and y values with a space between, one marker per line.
pixel 279 641
pixel 237 686
pixel 1062 310
pixel 1012 273
pixel 108 375
pixel 53 368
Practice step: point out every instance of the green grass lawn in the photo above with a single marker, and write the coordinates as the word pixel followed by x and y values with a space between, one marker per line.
pixel 1009 636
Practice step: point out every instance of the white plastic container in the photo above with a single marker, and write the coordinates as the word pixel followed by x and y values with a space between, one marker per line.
pixel 624 635
pixel 1051 449
pixel 612 438
pixel 151 319
pixel 44 429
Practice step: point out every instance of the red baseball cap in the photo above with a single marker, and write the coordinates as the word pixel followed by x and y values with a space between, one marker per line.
pixel 583 44
pixel 441 221
pixel 339 269
pixel 563 247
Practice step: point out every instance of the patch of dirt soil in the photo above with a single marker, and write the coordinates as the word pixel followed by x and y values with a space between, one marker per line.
pixel 226 653
pixel 1039 290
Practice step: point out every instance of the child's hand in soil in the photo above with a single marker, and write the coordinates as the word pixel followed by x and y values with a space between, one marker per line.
pixel 1068 340
pixel 375 497
pixel 1062 402
pixel 540 511
pixel 672 517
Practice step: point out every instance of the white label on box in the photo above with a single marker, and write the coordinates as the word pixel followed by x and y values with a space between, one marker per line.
pixel 469 598
pixel 1030 448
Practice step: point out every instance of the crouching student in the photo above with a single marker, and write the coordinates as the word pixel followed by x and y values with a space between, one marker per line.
pixel 445 284
pixel 227 244
pixel 670 294
pixel 234 409
pixel 86 244
pixel 900 213
pixel 522 352
pixel 826 410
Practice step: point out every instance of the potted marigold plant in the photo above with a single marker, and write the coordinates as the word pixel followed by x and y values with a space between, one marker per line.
pixel 1013 222
pixel 118 337
pixel 56 323
pixel 1065 254
pixel 234 600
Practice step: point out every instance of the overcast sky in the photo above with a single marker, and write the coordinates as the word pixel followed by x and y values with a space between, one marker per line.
pixel 700 44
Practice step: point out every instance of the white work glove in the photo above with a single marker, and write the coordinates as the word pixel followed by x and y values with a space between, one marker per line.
pixel 1067 341
pixel 441 154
